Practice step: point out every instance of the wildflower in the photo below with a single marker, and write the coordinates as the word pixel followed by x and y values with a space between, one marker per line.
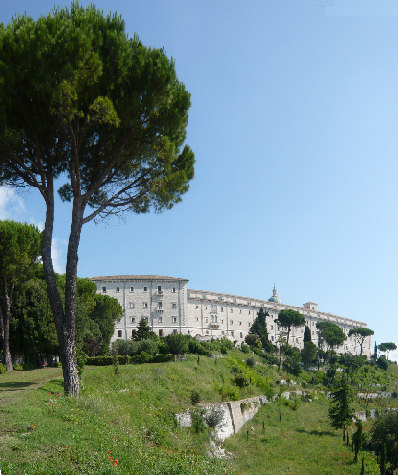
pixel 67 446
pixel 49 394
pixel 109 451
pixel 152 445
pixel 114 464
pixel 116 460
pixel 33 426
pixel 110 458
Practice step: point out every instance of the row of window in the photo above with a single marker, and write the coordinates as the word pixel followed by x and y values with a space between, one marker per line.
pixel 145 305
pixel 159 291
pixel 213 308
pixel 160 319
pixel 161 332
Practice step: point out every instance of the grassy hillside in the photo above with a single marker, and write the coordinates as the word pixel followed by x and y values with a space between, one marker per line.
pixel 129 417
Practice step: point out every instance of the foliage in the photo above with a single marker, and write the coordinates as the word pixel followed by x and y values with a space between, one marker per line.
pixel 18 367
pixel 357 440
pixel 384 433
pixel 331 334
pixel 245 348
pixel 288 319
pixel 307 334
pixel 197 348
pixel 351 363
pixel 177 343
pixel 291 364
pixel 382 362
pixel 197 416
pixel 340 410
pixel 253 340
pixel 195 397
pixel 143 331
pixel 3 368
pixel 251 361
pixel 102 113
pixel 240 380
pixel 259 327
pixel 309 353
pixel 19 252
pixel 360 334
pixel 214 416
pixel 387 347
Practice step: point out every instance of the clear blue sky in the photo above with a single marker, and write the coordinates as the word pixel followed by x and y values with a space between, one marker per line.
pixel 294 125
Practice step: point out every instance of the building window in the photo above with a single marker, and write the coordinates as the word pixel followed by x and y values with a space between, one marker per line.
pixel 222 309
pixel 249 312
pixel 197 319
pixel 175 332
pixel 248 324
pixel 145 289
pixel 173 290
pixel 205 308
pixel 232 333
pixel 119 333
pixel 104 290
pixel 272 326
pixel 272 338
pixel 174 319
pixel 146 319
pixel 222 321
pixel 207 332
pixel 240 310
pixel 132 305
pixel 196 306
pixel 232 310
pixel 206 320
pixel 159 289
pixel 117 289
pixel 214 319
pixel 132 319
pixel 240 323
pixel 160 305
pixel 161 332
pixel 223 332
pixel 231 322
pixel 144 304
pixel 131 289
pixel 160 320
pixel 133 333
pixel 173 305
pixel 241 334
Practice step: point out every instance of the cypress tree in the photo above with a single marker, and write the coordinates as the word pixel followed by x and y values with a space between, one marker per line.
pixel 307 334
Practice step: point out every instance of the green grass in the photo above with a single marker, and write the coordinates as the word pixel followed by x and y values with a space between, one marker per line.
pixel 131 416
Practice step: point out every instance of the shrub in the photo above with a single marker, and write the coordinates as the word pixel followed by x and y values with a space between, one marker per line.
pixel 253 340
pixel 18 367
pixel 143 357
pixel 229 392
pixel 270 359
pixel 99 360
pixel 251 362
pixel 163 358
pixel 197 420
pixel 148 346
pixel 245 348
pixel 240 380
pixel 214 417
pixel 3 368
pixel 177 343
pixel 125 347
pixel 196 348
pixel 195 396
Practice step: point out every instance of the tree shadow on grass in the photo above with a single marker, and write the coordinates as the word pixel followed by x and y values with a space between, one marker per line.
pixel 15 385
pixel 317 432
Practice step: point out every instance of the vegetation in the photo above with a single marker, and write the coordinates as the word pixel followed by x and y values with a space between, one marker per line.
pixel 109 120
pixel 288 319
pixel 19 252
pixel 360 334
pixel 331 334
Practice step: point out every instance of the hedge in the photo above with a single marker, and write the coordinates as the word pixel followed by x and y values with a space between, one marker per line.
pixel 122 359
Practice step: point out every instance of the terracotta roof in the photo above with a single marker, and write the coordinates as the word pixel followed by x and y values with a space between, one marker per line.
pixel 135 277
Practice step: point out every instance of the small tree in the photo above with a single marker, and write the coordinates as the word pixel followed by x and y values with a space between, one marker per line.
pixel 357 440
pixel 177 343
pixel 253 340
pixel 143 332
pixel 360 334
pixel 259 327
pixel 289 319
pixel 340 410
pixel 307 334
pixel 387 347
pixel 19 252
pixel 308 354
pixel 331 334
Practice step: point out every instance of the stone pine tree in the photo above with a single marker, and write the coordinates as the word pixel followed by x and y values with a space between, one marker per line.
pixel 19 253
pixel 387 347
pixel 340 410
pixel 85 106
pixel 331 334
pixel 289 319
pixel 360 334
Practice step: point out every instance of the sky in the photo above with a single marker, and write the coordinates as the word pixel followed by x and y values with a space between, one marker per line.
pixel 293 123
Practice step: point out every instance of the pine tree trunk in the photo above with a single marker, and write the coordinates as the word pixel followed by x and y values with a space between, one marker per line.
pixel 5 304
pixel 64 324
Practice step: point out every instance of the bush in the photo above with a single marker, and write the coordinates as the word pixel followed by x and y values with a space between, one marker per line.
pixel 195 396
pixel 125 347
pixel 196 348
pixel 99 361
pixel 197 420
pixel 251 362
pixel 214 417
pixel 163 358
pixel 148 346
pixel 18 367
pixel 245 348
pixel 143 357
pixel 270 359
pixel 3 368
pixel 240 380
pixel 229 392
pixel 177 343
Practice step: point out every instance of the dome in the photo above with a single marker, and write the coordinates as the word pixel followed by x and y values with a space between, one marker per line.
pixel 275 297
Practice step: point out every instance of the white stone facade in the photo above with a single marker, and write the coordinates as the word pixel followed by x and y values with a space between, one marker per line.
pixel 169 306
